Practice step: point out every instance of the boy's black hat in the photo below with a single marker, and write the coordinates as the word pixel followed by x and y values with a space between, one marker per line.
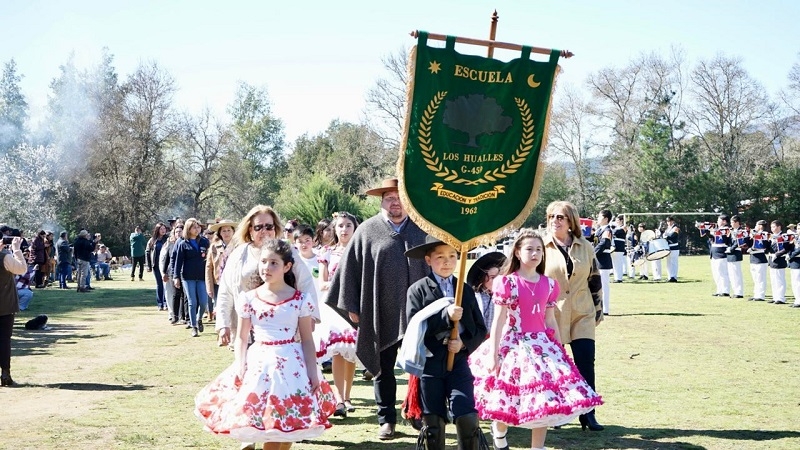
pixel 421 250
pixel 482 265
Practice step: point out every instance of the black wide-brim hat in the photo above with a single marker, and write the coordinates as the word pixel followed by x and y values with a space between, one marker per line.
pixel 482 265
pixel 421 250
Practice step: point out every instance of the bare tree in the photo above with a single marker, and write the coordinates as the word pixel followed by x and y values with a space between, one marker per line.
pixel 729 115
pixel 387 99
pixel 570 130
pixel 205 141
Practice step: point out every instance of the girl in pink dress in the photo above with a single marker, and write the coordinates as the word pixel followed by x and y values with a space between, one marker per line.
pixel 274 391
pixel 523 376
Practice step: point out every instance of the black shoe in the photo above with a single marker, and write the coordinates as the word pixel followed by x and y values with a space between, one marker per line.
pixel 738 296
pixel 780 303
pixel 340 411
pixel 672 280
pixel 794 305
pixel 200 326
pixel 758 299
pixel 6 381
pixel 327 367
pixel 770 301
pixel 618 281
pixel 643 277
pixel 108 278
pixel 588 421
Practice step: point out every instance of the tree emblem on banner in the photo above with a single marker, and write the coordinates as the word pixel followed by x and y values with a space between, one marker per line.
pixel 475 128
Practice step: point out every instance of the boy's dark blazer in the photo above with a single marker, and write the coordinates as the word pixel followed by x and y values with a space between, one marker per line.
pixel 426 291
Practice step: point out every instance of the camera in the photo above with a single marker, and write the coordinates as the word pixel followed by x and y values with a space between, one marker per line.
pixel 7 240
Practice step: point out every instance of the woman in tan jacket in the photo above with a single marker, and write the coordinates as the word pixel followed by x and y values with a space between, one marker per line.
pixel 570 260
pixel 223 233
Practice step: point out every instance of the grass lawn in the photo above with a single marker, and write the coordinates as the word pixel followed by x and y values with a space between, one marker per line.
pixel 677 368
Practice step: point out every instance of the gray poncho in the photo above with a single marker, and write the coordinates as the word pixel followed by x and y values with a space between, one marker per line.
pixel 371 281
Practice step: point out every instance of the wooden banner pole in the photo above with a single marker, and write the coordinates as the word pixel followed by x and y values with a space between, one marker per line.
pixel 495 44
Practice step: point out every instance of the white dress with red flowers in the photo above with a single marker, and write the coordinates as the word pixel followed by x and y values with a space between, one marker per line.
pixel 334 335
pixel 273 402
pixel 537 385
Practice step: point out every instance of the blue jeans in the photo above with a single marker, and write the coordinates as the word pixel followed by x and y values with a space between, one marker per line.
pixel 103 270
pixel 25 297
pixel 195 291
pixel 160 299
pixel 64 273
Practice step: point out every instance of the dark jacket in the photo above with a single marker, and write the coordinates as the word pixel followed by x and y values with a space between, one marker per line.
pixel 603 248
pixel 64 253
pixel 190 261
pixel 39 251
pixel 426 291
pixel 83 248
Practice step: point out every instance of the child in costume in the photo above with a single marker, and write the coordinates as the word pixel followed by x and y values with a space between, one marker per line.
pixel 336 336
pixel 432 315
pixel 523 376
pixel 274 391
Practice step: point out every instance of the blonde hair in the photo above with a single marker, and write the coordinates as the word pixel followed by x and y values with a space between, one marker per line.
pixel 572 216
pixel 242 235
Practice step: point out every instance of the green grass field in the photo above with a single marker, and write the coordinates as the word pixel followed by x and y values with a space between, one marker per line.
pixel 677 368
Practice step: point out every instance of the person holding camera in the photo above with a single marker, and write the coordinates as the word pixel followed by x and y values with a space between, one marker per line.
pixel 13 264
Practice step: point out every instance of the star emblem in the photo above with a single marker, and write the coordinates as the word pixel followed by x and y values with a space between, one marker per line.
pixel 434 67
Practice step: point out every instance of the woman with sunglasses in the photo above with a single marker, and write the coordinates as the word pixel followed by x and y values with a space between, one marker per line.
pixel 570 260
pixel 240 270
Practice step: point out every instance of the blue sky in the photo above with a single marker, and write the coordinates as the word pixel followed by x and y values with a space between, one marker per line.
pixel 318 59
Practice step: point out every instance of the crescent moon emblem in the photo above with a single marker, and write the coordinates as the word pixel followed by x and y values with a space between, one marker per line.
pixel 532 83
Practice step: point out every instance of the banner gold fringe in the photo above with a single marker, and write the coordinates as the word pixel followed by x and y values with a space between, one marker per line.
pixel 492 237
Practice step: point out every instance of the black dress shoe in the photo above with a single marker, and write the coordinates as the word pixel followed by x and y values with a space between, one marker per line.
pixel 758 299
pixel 589 421
pixel 672 280
pixel 794 305
pixel 738 296
pixel 770 301
pixel 6 381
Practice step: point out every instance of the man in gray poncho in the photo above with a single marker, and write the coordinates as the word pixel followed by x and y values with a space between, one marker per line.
pixel 370 286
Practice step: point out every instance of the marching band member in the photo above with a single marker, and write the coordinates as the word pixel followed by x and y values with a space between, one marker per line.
pixel 630 247
pixel 656 264
pixel 602 251
pixel 618 256
pixel 758 260
pixel 719 241
pixel 640 249
pixel 794 272
pixel 779 247
pixel 738 237
pixel 671 234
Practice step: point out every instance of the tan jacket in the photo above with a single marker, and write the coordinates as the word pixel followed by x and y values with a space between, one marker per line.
pixel 577 306
pixel 213 261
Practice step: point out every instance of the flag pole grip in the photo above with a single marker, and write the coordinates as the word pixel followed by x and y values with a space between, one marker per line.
pixel 462 269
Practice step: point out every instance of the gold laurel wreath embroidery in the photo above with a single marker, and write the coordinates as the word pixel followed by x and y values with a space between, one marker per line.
pixel 507 168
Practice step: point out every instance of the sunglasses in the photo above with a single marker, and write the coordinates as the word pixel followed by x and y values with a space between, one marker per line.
pixel 558 217
pixel 262 226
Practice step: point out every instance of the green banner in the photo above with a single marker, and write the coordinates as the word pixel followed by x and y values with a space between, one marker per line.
pixel 475 128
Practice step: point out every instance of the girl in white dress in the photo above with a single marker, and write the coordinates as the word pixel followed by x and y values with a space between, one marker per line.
pixel 337 336
pixel 274 391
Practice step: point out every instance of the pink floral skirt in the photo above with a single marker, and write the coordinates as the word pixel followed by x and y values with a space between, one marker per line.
pixel 537 384
pixel 273 402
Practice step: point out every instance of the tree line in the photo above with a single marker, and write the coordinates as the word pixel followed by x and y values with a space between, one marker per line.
pixel 658 134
